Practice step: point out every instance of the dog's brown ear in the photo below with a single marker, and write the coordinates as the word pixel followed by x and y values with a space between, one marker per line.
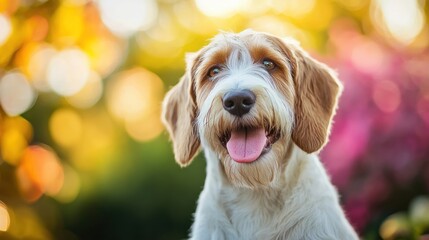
pixel 317 90
pixel 179 115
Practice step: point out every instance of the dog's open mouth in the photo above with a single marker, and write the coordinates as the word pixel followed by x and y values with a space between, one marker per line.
pixel 247 144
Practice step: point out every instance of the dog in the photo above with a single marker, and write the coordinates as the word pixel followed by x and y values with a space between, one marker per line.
pixel 261 108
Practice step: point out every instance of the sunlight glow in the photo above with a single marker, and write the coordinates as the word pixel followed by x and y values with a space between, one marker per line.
pixel 191 19
pixel 255 7
pixel 403 19
pixel 126 17
pixel 276 26
pixel 292 7
pixel 219 8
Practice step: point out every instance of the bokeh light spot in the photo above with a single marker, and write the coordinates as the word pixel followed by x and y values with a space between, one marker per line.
pixel 404 28
pixel 38 66
pixel 65 126
pixel 386 95
pixel 4 217
pixel 21 124
pixel 67 24
pixel 15 133
pixel 36 28
pixel 68 71
pixel 126 17
pixel 368 57
pixel 5 28
pixel 134 94
pixel 105 53
pixel 145 129
pixel 39 172
pixel 419 211
pixel 23 55
pixel 396 226
pixel 16 93
pixel 13 144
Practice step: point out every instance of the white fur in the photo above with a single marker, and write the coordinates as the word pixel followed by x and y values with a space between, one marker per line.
pixel 303 206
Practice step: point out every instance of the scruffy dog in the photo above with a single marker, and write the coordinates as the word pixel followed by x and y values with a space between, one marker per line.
pixel 261 108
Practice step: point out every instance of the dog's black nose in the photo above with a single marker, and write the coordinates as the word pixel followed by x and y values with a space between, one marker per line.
pixel 238 102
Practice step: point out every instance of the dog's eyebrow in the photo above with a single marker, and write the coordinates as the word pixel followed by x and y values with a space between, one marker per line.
pixel 261 51
pixel 210 59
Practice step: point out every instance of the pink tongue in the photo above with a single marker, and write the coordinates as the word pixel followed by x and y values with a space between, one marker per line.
pixel 246 145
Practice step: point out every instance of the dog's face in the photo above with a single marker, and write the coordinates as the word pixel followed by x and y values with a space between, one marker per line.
pixel 247 97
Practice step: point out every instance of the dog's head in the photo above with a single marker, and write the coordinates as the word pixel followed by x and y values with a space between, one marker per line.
pixel 246 97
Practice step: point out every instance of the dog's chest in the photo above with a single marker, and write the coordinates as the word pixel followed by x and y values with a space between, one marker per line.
pixel 251 213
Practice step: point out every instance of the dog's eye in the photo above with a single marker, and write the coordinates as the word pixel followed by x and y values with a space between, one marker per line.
pixel 268 64
pixel 214 71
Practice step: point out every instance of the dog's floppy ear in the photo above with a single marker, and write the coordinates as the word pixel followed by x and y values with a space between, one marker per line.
pixel 317 90
pixel 179 114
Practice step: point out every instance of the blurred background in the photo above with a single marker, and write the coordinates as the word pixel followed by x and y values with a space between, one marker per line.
pixel 83 154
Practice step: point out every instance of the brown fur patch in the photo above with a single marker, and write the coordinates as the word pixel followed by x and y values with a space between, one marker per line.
pixel 179 115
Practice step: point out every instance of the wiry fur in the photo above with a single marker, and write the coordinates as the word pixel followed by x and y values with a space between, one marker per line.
pixel 286 193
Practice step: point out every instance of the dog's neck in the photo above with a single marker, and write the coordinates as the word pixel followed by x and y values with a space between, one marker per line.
pixel 260 202
pixel 284 181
